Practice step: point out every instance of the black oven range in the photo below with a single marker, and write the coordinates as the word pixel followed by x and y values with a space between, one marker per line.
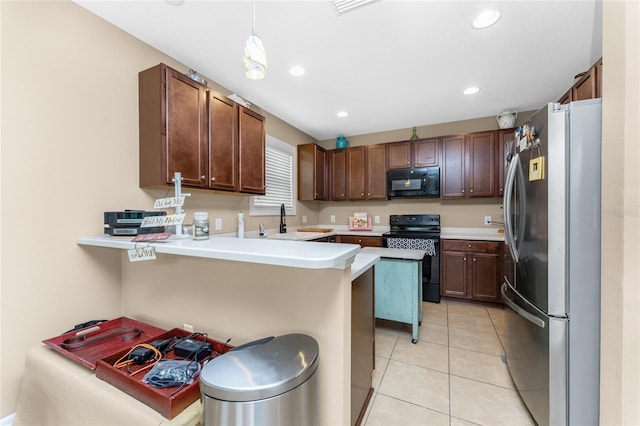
pixel 419 232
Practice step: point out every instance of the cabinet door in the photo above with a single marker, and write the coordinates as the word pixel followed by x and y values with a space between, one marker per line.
pixel 376 181
pixel 337 174
pixel 355 173
pixel 454 274
pixel 251 147
pixel 485 276
pixel 426 152
pixel 363 241
pixel 399 155
pixel 482 166
pixel 452 178
pixel 362 343
pixel 586 87
pixel 506 141
pixel 312 164
pixel 223 143
pixel 186 144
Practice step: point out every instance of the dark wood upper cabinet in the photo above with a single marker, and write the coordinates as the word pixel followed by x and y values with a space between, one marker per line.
pixel 481 151
pixel 414 153
pixel 252 151
pixel 356 178
pixel 223 143
pixel 337 175
pixel 366 172
pixel 185 127
pixel 312 173
pixel 589 86
pixel 453 174
pixel 468 165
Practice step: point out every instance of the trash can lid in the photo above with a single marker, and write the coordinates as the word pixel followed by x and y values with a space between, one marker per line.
pixel 261 369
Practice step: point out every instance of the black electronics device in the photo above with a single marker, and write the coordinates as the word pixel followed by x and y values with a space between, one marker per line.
pixel 127 222
pixel 191 348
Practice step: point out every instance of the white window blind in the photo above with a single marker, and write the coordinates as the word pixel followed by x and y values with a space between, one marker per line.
pixel 280 182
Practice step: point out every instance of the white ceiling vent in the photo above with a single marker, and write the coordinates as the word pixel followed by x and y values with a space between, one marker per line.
pixel 344 6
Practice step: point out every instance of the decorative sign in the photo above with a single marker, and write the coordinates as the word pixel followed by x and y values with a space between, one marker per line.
pixel 142 253
pixel 159 236
pixel 165 203
pixel 152 221
pixel 536 169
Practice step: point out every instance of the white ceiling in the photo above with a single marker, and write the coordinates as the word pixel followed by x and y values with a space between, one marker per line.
pixel 391 64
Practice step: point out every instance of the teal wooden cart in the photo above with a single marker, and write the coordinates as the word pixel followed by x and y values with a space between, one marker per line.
pixel 398 286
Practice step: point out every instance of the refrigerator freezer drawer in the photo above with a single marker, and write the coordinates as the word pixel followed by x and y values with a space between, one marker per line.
pixel 536 355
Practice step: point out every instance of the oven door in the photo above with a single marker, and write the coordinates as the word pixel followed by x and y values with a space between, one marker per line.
pixel 430 263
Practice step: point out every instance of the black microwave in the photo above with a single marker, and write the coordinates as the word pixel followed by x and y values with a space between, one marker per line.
pixel 418 182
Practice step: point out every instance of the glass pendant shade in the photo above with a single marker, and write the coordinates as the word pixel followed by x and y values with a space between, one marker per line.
pixel 255 58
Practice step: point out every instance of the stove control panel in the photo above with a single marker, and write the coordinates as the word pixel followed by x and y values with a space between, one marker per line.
pixel 415 219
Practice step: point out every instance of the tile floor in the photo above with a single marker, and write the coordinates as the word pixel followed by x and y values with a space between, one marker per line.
pixel 453 375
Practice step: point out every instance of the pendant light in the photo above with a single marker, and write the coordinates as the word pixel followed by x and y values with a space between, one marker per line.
pixel 255 58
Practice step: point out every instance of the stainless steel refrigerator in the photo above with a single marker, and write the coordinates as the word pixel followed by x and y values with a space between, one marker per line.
pixel 552 229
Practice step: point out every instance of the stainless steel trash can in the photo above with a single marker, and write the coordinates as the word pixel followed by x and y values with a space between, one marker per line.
pixel 271 381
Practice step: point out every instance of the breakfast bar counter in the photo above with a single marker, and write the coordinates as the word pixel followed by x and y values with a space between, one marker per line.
pixel 247 289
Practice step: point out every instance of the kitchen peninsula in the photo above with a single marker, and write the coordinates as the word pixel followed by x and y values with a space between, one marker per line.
pixel 246 289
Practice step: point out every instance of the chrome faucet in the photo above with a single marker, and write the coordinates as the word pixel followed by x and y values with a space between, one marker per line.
pixel 283 220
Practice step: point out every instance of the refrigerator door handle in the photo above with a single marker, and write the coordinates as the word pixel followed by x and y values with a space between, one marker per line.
pixel 508 193
pixel 517 308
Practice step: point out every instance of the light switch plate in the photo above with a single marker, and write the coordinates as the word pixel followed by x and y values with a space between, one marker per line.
pixel 333 218
pixel 304 219
pixel 218 223
pixel 376 219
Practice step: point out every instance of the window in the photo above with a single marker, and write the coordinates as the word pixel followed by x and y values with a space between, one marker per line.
pixel 280 167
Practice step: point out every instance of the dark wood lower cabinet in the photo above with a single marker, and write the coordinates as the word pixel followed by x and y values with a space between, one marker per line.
pixel 362 344
pixel 364 241
pixel 471 270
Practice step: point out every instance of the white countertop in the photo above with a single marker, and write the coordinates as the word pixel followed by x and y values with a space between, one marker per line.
pixel 362 262
pixel 293 234
pixel 489 234
pixel 296 254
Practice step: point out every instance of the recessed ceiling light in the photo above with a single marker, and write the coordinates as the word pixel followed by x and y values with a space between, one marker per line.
pixel 486 19
pixel 297 71
pixel 342 114
pixel 471 90
pixel 174 2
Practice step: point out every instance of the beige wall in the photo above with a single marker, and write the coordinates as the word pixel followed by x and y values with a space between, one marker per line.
pixel 69 102
pixel 69 153
pixel 620 363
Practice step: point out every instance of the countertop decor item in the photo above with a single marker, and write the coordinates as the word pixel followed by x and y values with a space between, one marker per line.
pixel 507 119
pixel 341 142
pixel 414 134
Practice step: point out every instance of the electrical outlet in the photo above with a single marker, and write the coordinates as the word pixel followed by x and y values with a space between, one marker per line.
pixel 187 327
pixel 376 219
pixel 333 218
pixel 487 220
pixel 218 223
pixel 304 219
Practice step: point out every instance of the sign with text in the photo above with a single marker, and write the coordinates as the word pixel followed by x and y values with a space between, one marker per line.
pixel 142 253
pixel 165 203
pixel 152 221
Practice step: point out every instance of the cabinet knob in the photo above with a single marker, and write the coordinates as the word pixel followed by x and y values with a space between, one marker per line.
pixel 368 194
pixel 462 190
pixel 343 195
pixel 359 241
pixel 474 259
pixel 471 190
pixel 203 177
pixel 464 258
pixel 408 162
pixel 469 245
pixel 362 193
pixel 213 179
